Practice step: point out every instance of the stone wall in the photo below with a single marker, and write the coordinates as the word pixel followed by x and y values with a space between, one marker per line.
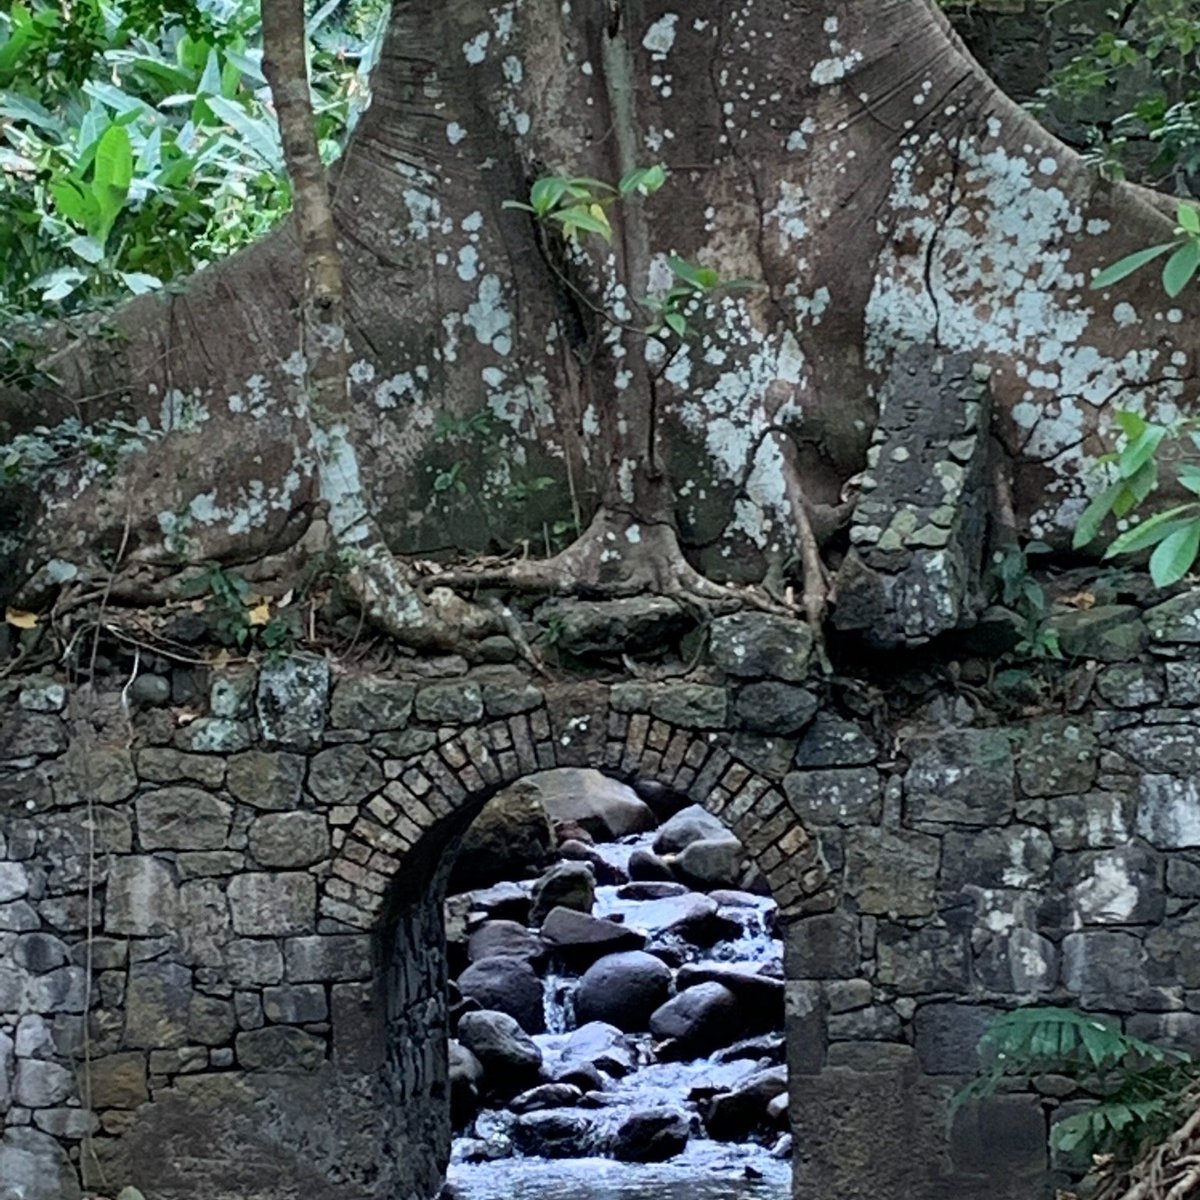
pixel 221 951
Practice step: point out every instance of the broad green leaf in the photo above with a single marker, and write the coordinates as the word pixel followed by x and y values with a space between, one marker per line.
pixel 139 282
pixel 1188 475
pixel 645 180
pixel 112 174
pixel 1181 266
pixel 258 135
pixel 1093 517
pixel 579 217
pixel 1140 450
pixel 517 204
pixel 1132 425
pixel 1189 219
pixel 546 193
pixel 1173 557
pixel 58 285
pixel 1151 531
pixel 87 248
pixel 1130 263
pixel 70 200
pixel 676 322
pixel 701 279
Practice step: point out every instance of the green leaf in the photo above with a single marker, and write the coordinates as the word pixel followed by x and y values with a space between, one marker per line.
pixel 1140 451
pixel 589 219
pixel 1188 475
pixel 645 180
pixel 1130 263
pixel 1189 219
pixel 546 193
pixel 701 279
pixel 112 174
pixel 1093 517
pixel 72 202
pixel 87 248
pixel 1175 554
pixel 1132 425
pixel 677 323
pixel 1181 266
pixel 1151 531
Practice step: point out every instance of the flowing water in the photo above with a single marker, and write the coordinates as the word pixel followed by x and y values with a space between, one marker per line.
pixel 707 1169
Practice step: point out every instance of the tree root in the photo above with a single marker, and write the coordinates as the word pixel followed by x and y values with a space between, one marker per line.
pixel 1168 1171
pixel 615 556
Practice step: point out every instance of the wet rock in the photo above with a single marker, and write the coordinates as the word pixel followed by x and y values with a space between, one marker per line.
pixel 553 1134
pixel 762 997
pixel 606 809
pixel 506 985
pixel 602 1047
pixel 698 1021
pixel 739 1113
pixel 772 1049
pixel 478 1150
pixel 503 901
pixel 510 1059
pixel 566 885
pixel 623 989
pixel 607 874
pixel 579 939
pixel 712 863
pixel 691 917
pixel 511 838
pixel 692 824
pixel 547 1095
pixel 651 889
pixel 581 1075
pixel 646 866
pixel 503 939
pixel 651 1135
pixel 466 1082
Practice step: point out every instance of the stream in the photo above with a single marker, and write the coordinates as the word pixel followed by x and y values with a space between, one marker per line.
pixel 678 1082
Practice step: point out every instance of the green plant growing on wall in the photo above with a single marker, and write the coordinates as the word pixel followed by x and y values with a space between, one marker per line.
pixel 1141 1086
pixel 1022 593
pixel 579 206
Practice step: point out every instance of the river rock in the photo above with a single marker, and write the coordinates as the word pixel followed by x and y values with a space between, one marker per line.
pixel 762 995
pixel 507 985
pixel 712 863
pixel 698 1020
pixel 694 918
pixel 553 1134
pixel 601 1046
pixel 651 1135
pixel 651 889
pixel 546 1095
pixel 503 939
pixel 579 940
pixel 646 865
pixel 466 1082
pixel 581 1075
pixel 692 824
pixel 623 989
pixel 771 1049
pixel 510 1059
pixel 738 1113
pixel 502 901
pixel 606 809
pixel 511 838
pixel 607 874
pixel 565 885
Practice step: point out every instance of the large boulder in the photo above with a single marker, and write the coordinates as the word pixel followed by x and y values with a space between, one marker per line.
pixel 645 865
pixel 692 824
pixel 579 940
pixel 691 917
pixel 762 996
pixel 712 863
pixel 466 1083
pixel 566 885
pixel 600 1046
pixel 623 989
pixel 651 1135
pixel 510 1059
pixel 507 985
pixel 501 902
pixel 503 939
pixel 736 1114
pixel 510 839
pixel 698 1021
pixel 554 1134
pixel 606 809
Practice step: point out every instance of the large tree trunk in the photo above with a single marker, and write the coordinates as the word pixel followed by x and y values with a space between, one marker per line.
pixel 849 155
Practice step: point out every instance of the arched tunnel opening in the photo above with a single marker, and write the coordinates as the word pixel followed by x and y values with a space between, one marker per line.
pixel 602 962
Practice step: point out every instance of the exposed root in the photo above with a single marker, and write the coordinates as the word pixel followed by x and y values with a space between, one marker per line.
pixel 615 556
pixel 1167 1171
pixel 818 584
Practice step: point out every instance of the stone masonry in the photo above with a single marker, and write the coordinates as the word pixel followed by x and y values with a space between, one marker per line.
pixel 222 961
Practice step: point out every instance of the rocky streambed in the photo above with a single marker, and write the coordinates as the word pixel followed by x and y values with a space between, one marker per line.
pixel 620 1004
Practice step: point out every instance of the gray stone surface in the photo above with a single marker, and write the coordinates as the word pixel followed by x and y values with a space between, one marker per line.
pixel 963 777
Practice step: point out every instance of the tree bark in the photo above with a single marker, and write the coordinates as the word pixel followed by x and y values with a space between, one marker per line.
pixel 851 156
